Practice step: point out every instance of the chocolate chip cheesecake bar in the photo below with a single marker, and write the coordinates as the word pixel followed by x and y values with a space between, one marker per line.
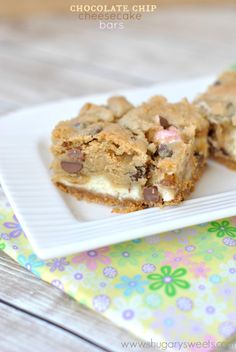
pixel 218 104
pixel 131 157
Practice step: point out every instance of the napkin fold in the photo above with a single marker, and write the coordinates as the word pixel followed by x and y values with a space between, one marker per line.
pixel 174 290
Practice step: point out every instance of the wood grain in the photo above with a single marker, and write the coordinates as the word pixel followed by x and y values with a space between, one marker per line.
pixel 55 57
pixel 20 327
pixel 62 56
pixel 47 304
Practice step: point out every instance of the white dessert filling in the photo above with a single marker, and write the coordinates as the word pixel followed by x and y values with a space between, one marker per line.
pixel 230 143
pixel 167 194
pixel 100 184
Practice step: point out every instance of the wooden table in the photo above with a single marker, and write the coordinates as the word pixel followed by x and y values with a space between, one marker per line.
pixel 49 58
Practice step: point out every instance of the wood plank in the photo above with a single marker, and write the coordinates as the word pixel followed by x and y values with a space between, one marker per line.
pixel 21 331
pixel 29 81
pixel 61 57
pixel 26 292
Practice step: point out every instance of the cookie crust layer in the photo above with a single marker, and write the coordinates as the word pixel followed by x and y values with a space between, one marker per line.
pixel 129 205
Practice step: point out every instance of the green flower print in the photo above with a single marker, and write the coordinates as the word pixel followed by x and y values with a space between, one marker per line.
pixel 169 280
pixel 2 246
pixel 222 229
pixel 126 253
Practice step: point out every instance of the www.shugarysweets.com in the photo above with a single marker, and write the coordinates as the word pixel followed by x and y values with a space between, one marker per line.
pixel 112 17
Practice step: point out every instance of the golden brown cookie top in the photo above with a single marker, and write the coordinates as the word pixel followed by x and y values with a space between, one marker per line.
pixel 158 114
pixel 156 126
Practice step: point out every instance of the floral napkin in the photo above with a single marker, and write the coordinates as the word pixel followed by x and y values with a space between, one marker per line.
pixel 174 290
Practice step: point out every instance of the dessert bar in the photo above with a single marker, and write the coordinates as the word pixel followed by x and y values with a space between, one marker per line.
pixel 131 157
pixel 218 104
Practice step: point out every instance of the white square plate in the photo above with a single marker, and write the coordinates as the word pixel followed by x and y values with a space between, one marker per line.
pixel 55 223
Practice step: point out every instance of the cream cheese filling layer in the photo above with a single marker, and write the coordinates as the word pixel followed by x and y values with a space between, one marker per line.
pixel 230 142
pixel 101 185
pixel 168 194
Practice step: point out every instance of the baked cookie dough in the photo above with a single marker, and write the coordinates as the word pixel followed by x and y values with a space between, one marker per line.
pixel 218 104
pixel 131 157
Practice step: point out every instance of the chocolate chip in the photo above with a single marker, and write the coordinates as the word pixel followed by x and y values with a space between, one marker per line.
pixel 95 130
pixel 164 123
pixel 224 152
pixel 151 194
pixel 164 151
pixel 213 149
pixel 75 154
pixel 72 167
pixel 66 144
pixel 229 106
pixel 212 131
pixel 140 173
pixel 217 151
pixel 91 131
pixel 80 125
pixel 217 83
pixel 230 109
pixel 200 158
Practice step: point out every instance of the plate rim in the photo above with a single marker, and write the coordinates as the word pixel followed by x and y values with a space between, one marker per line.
pixel 46 252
